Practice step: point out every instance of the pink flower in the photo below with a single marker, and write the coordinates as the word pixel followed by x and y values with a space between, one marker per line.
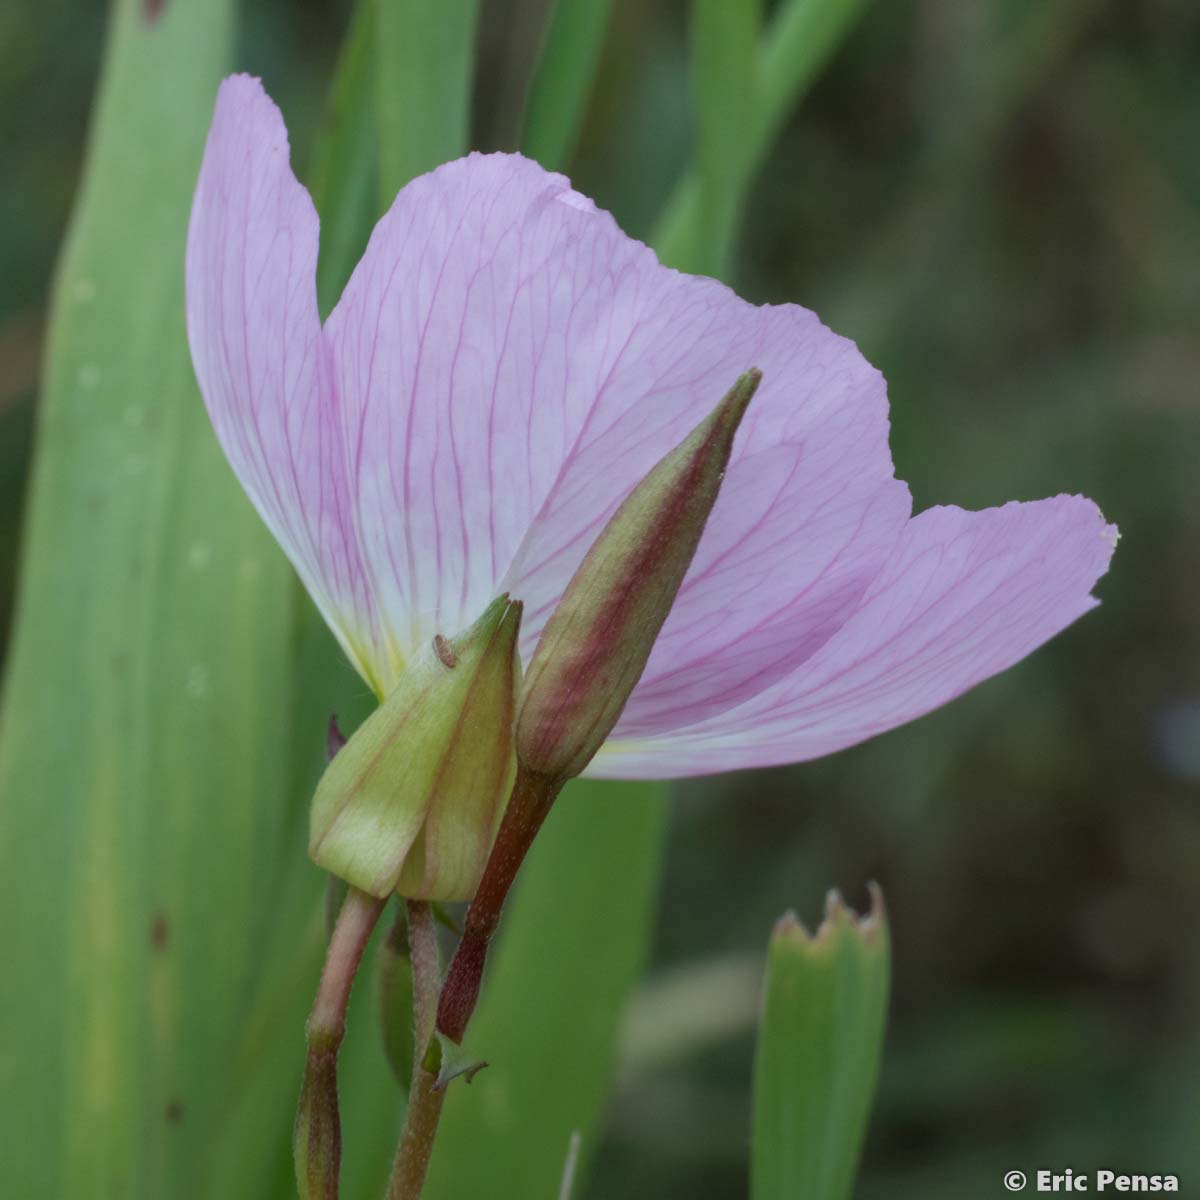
pixel 503 367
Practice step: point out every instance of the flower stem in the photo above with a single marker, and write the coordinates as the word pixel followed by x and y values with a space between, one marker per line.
pixel 448 1015
pixel 532 797
pixel 395 999
pixel 427 972
pixel 425 1098
pixel 317 1135
pixel 416 1142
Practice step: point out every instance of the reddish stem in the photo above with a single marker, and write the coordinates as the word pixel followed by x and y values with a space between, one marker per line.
pixel 532 797
pixel 317 1138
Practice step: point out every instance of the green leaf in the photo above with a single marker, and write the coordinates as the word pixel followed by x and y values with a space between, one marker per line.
pixel 425 59
pixel 562 80
pixel 818 1053
pixel 147 822
pixel 344 180
pixel 800 39
pixel 344 186
pixel 571 947
pixel 803 36
pixel 724 37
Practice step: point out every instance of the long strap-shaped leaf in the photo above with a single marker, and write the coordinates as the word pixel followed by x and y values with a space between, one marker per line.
pixel 724 40
pixel 425 56
pixel 801 36
pixel 562 79
pixel 818 1054
pixel 142 781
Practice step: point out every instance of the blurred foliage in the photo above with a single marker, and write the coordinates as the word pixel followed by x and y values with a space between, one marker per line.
pixel 1001 202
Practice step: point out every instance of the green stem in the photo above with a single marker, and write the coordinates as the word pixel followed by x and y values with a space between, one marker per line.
pixel 425 1098
pixel 445 1010
pixel 317 1136
pixel 423 947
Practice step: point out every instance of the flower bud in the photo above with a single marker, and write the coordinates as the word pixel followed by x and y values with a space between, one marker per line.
pixel 317 1133
pixel 412 802
pixel 595 646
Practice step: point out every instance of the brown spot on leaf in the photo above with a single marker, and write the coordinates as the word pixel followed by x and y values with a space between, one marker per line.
pixel 160 932
pixel 152 10
pixel 173 1112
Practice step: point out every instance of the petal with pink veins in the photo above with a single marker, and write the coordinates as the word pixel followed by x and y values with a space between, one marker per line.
pixel 511 364
pixel 260 358
pixel 964 595
pixel 503 367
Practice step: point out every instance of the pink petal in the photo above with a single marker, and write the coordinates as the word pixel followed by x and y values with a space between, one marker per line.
pixel 511 364
pixel 965 595
pixel 504 366
pixel 259 354
pixel 808 514
pixel 473 347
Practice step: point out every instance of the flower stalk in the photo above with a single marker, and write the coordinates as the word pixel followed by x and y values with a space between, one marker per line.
pixel 425 1098
pixel 317 1134
pixel 533 795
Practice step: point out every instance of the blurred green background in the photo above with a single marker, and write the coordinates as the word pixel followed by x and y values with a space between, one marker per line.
pixel 1000 200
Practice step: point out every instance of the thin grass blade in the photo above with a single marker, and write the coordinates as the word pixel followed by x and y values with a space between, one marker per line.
pixel 800 38
pixel 562 80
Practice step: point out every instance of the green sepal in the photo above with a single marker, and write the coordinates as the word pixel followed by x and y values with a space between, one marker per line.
pixel 818 1052
pixel 413 801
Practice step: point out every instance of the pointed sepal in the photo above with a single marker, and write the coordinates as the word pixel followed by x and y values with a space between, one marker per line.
pixel 413 800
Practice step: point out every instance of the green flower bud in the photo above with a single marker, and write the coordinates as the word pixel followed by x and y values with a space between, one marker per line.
pixel 595 646
pixel 413 801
